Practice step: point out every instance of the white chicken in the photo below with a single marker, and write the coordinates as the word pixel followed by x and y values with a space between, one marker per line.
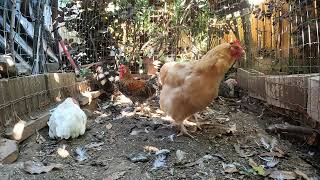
pixel 67 120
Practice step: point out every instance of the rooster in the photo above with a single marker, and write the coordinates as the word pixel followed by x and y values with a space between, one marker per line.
pixel 137 90
pixel 187 88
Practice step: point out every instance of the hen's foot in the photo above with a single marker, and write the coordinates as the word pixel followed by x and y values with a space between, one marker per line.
pixel 196 118
pixel 195 124
pixel 184 131
pixel 142 109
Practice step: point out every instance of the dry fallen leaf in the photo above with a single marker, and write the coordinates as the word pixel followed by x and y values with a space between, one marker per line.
pixel 272 154
pixel 115 176
pixel 229 168
pixel 312 139
pixel 151 149
pixel 273 163
pixel 252 163
pixel 283 175
pixel 139 131
pixel 40 139
pixel 38 167
pixel 94 145
pixel 232 129
pixel 241 152
pixel 302 174
pixel 258 168
pixel 200 161
pixel 279 150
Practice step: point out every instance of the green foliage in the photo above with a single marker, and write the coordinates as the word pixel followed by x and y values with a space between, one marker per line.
pixel 85 72
pixel 133 23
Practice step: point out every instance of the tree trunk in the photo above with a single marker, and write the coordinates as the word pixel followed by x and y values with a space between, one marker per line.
pixel 245 18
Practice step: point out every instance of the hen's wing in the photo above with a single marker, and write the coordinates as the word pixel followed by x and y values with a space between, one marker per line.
pixel 174 74
pixel 137 90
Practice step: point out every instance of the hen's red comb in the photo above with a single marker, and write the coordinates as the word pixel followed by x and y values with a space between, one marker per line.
pixel 236 42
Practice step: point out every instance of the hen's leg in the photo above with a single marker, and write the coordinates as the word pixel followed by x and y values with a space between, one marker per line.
pixel 136 107
pixel 197 125
pixel 145 108
pixel 196 117
pixel 184 131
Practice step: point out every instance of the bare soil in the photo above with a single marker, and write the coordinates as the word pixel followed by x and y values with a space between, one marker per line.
pixel 112 138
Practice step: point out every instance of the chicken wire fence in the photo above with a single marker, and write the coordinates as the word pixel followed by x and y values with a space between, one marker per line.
pixel 281 38
pixel 31 45
pixel 26 38
pixel 283 57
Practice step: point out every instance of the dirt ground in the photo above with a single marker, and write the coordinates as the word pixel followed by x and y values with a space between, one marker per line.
pixel 121 147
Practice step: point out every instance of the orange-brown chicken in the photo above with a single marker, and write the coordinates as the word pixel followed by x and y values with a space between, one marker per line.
pixel 189 87
pixel 137 90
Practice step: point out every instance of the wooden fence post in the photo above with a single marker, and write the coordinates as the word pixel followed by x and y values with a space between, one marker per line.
pixel 245 18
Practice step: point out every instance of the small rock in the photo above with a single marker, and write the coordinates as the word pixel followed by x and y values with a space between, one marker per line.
pixel 38 167
pixel 95 145
pixel 115 176
pixel 180 155
pixel 8 151
pixel 159 162
pixel 163 152
pixel 109 126
pixel 139 157
pixel 229 168
pixel 283 175
pixel 99 163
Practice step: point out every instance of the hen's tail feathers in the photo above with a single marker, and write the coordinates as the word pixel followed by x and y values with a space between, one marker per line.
pixel 152 86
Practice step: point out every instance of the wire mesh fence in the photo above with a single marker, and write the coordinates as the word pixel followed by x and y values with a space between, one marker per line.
pixel 283 64
pixel 281 38
pixel 29 45
pixel 25 35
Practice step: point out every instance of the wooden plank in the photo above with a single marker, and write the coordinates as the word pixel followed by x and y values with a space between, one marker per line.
pixel 254 33
pixel 268 33
pixel 288 92
pixel 252 81
pixel 37 85
pixel 59 80
pixel 87 97
pixel 260 31
pixel 28 86
pixel 4 98
pixel 53 82
pixel 42 98
pixel 34 89
pixel 28 128
pixel 69 80
pixel 16 91
pixel 9 151
pixel 314 98
pixel 257 88
pixel 285 29
pixel 82 86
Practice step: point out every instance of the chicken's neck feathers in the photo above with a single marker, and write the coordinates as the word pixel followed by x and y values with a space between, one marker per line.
pixel 127 77
pixel 218 63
